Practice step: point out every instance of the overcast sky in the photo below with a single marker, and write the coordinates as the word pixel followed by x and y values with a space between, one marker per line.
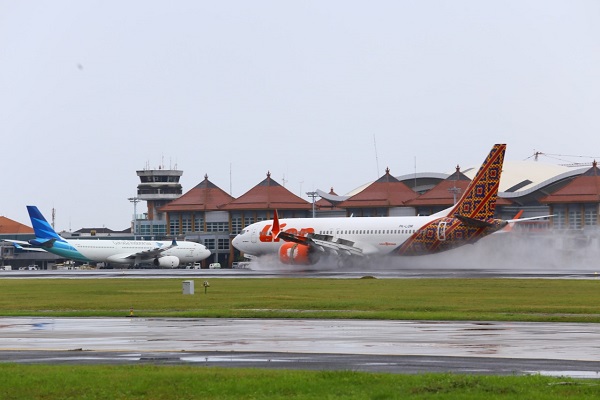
pixel 320 93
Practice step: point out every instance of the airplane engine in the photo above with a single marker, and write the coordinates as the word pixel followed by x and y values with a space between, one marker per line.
pixel 299 254
pixel 167 262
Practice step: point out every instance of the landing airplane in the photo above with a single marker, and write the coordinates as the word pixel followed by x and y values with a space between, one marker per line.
pixel 304 240
pixel 126 252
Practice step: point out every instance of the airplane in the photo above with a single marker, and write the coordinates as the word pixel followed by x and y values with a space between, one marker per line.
pixel 125 252
pixel 303 241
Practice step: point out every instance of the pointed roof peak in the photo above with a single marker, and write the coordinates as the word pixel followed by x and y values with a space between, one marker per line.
pixel 387 177
pixel 458 176
pixel 593 171
pixel 268 181
pixel 271 194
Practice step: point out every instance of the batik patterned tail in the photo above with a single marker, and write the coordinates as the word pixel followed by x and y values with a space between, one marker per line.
pixel 479 200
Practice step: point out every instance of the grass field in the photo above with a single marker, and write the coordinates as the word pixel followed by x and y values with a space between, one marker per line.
pixel 20 382
pixel 416 299
pixel 425 299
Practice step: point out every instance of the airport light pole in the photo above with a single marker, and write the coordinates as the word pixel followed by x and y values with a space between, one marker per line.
pixel 134 200
pixel 455 192
pixel 313 195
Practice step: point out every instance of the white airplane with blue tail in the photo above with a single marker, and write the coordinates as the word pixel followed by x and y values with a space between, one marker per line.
pixel 166 254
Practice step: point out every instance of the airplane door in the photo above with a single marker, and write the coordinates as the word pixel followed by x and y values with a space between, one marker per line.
pixel 253 235
pixel 441 231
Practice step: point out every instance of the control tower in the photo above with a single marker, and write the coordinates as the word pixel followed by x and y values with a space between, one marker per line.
pixel 157 187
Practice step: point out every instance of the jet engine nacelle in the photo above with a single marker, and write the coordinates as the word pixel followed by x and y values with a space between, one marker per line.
pixel 298 254
pixel 167 262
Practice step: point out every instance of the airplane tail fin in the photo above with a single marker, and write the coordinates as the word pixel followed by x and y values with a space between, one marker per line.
pixel 43 230
pixel 479 200
pixel 275 230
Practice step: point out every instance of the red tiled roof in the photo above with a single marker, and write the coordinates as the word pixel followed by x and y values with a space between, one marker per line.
pixel 270 195
pixel 442 194
pixel 205 196
pixel 8 226
pixel 583 189
pixel 387 191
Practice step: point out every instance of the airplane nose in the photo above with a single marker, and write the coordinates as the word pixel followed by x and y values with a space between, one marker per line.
pixel 239 244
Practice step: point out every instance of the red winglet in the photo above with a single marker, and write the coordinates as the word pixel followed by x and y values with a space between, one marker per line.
pixel 510 225
pixel 275 229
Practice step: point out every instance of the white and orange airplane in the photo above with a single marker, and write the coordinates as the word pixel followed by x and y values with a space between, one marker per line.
pixel 304 241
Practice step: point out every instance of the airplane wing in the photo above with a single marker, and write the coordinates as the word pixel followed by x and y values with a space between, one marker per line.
pixel 22 245
pixel 324 243
pixel 321 243
pixel 151 253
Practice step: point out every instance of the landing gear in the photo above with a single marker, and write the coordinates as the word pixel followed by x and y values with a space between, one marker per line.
pixel 346 262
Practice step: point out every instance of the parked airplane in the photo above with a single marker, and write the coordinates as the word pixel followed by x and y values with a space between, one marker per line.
pixel 128 252
pixel 305 240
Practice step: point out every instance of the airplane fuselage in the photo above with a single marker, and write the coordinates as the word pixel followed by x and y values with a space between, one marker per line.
pixel 372 235
pixel 116 251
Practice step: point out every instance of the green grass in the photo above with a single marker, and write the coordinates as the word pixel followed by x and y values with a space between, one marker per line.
pixel 418 299
pixel 184 382
pixel 430 299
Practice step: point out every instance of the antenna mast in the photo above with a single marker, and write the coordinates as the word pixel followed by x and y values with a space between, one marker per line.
pixel 376 156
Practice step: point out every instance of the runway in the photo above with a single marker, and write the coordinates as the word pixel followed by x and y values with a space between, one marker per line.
pixel 390 346
pixel 592 272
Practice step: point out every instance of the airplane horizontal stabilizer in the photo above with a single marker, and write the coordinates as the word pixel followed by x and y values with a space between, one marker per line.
pixel 21 245
pixel 44 243
pixel 530 218
pixel 475 223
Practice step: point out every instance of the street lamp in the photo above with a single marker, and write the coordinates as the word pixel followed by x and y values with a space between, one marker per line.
pixel 313 195
pixel 134 200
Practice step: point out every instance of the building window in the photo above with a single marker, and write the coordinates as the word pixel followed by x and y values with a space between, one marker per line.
pixel 559 219
pixel 160 230
pixel 223 244
pixel 575 216
pixel 217 227
pixel 236 225
pixel 186 224
pixel 591 215
pixel 198 224
pixel 209 244
pixel 174 226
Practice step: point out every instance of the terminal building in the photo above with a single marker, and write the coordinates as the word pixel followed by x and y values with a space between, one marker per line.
pixel 209 215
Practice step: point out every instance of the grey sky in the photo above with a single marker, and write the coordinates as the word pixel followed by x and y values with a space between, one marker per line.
pixel 91 91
